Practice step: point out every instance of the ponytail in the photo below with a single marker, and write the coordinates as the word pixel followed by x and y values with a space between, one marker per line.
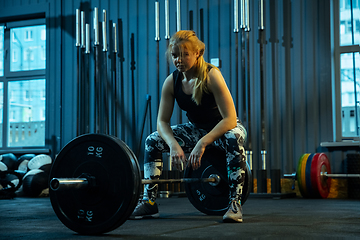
pixel 188 39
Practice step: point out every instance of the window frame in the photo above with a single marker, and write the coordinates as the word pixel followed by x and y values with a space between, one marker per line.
pixel 337 50
pixel 25 75
pixel 24 23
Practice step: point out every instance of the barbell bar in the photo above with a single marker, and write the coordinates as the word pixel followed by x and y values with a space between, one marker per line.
pixel 58 184
pixel 325 174
pixel 340 175
pixel 213 180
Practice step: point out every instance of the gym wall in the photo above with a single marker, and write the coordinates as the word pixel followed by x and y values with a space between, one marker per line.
pixel 297 109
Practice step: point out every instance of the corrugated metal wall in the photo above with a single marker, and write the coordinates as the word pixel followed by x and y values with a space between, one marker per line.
pixel 296 58
pixel 212 20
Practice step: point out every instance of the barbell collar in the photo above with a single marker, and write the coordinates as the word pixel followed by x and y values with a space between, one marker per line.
pixel 289 175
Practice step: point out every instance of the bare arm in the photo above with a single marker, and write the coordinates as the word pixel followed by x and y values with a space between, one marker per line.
pixel 165 110
pixel 225 103
pixel 163 121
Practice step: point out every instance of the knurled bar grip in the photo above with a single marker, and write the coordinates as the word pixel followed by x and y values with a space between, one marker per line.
pixel 181 180
pixel 58 184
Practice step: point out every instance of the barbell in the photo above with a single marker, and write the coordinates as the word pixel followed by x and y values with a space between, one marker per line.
pixel 96 184
pixel 84 182
pixel 314 175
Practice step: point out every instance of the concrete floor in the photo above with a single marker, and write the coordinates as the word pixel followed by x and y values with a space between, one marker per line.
pixel 264 218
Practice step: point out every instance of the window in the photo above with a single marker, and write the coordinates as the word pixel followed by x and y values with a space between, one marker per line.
pixel 345 44
pixel 12 116
pixel 14 37
pixel 27 95
pixel 23 84
pixel 43 94
pixel 30 107
pixel 43 34
pixel 14 56
pixel 43 53
pixel 12 96
pixel 28 35
pixel 1 107
pixel 42 114
pixel 1 50
pixel 30 50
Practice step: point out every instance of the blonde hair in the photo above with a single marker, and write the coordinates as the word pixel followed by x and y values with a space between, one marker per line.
pixel 187 39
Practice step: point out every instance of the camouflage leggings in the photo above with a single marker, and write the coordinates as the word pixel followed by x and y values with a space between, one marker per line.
pixel 187 135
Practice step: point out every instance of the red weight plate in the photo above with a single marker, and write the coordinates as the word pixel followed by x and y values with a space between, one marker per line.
pixel 320 183
pixel 313 173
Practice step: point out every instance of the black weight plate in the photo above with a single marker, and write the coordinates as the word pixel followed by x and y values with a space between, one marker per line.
pixel 137 177
pixel 107 206
pixel 212 200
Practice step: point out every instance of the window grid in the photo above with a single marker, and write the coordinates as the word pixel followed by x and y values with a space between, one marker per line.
pixel 23 86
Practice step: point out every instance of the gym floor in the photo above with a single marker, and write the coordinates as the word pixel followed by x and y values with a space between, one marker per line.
pixel 264 218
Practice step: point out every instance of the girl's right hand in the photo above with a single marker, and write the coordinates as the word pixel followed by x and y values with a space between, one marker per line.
pixel 178 158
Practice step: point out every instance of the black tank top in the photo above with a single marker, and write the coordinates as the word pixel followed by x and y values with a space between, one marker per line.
pixel 206 115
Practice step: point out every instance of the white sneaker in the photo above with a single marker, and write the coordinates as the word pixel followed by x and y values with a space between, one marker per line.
pixel 234 213
pixel 144 209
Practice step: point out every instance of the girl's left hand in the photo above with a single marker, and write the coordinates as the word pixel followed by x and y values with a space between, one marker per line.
pixel 196 154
